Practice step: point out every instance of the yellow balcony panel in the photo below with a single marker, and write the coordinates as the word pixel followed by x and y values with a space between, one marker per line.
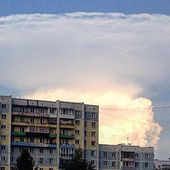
pixel 20 123
pixel 67 126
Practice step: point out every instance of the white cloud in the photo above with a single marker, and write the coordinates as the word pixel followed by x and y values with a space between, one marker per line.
pixel 97 55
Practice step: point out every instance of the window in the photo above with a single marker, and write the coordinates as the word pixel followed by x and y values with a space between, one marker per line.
pixel 2 168
pixel 105 163
pixel 93 115
pixel 77 141
pixel 3 116
pixel 146 164
pixel 93 143
pixel 3 137
pixel 50 168
pixel 3 106
pixel 85 143
pixel 32 120
pixel 77 122
pixel 41 168
pixel 51 160
pixel 32 150
pixel 136 155
pixel 136 164
pixel 31 139
pixel 105 154
pixel 85 124
pixel 20 149
pixel 32 110
pixel 41 160
pixel 85 133
pixel 51 150
pixel 21 129
pixel 92 153
pixel 3 158
pixel 2 147
pixel 77 132
pixel 3 126
pixel 113 164
pixel 93 134
pixel 93 124
pixel 41 150
pixel 21 139
pixel 92 162
pixel 41 140
pixel 113 154
pixel 146 155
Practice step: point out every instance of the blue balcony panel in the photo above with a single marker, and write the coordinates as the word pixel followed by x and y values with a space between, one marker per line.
pixel 33 144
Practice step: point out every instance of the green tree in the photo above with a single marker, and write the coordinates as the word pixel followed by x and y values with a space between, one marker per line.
pixel 25 161
pixel 78 163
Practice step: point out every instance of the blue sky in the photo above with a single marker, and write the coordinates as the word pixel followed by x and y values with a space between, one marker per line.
pixel 107 46
pixel 8 7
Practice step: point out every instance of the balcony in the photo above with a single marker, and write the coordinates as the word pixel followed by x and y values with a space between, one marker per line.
pixel 17 133
pixel 67 146
pixel 66 136
pixel 31 114
pixel 25 144
pixel 52 135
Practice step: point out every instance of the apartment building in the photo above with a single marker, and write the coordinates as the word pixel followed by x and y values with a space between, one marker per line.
pixel 125 157
pixel 50 131
pixel 162 164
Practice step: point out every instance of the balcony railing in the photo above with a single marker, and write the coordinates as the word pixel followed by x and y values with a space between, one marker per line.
pixel 17 133
pixel 31 114
pixel 52 135
pixel 25 144
pixel 67 136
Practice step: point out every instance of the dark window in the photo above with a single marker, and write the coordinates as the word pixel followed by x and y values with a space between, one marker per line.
pixel 146 164
pixel 93 143
pixel 3 106
pixel 3 116
pixel 77 141
pixel 113 164
pixel 93 134
pixel 93 124
pixel 77 122
pixel 41 150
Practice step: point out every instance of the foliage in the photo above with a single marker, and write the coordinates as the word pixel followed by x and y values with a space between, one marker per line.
pixel 78 163
pixel 25 161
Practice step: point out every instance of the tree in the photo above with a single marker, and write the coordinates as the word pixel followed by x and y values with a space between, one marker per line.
pixel 25 161
pixel 78 163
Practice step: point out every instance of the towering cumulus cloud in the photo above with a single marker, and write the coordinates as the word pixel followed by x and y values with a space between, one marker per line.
pixel 110 59
pixel 122 115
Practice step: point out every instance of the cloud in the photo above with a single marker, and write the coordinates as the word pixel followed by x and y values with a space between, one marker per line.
pixel 91 57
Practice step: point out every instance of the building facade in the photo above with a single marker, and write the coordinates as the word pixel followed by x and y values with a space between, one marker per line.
pixel 126 157
pixel 50 131
pixel 162 164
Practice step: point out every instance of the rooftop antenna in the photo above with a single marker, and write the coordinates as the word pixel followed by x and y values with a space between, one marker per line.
pixel 127 140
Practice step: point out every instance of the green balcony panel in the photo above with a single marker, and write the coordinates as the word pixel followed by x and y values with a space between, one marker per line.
pixel 66 136
pixel 52 135
pixel 17 133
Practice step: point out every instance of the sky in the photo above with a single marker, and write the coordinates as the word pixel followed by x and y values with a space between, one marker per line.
pixel 111 53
